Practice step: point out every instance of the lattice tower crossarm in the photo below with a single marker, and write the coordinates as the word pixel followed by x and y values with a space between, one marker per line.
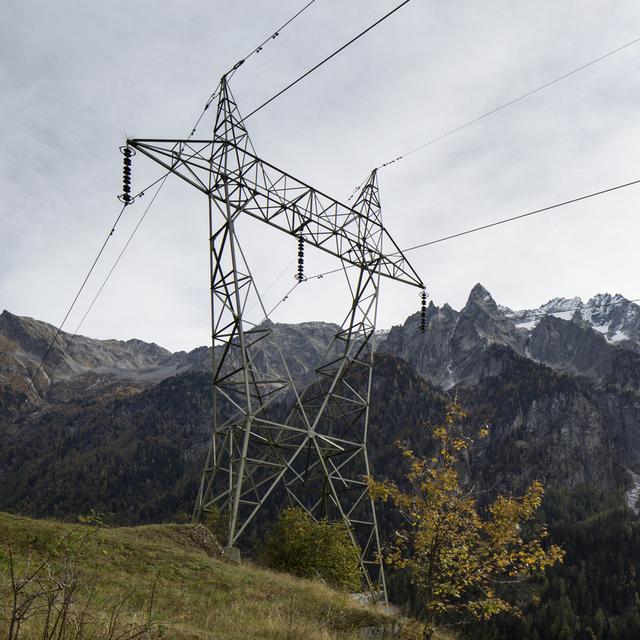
pixel 315 452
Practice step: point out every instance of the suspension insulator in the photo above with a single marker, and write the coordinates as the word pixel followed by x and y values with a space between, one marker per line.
pixel 300 274
pixel 128 153
pixel 423 311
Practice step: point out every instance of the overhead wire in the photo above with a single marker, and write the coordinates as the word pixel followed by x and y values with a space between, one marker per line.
pixel 517 319
pixel 163 177
pixel 520 216
pixel 161 180
pixel 499 108
pixel 75 299
pixel 273 36
pixel 325 60
pixel 321 275
pixel 240 62
pixel 444 135
pixel 108 276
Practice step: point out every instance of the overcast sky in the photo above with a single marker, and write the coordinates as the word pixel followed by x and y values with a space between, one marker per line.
pixel 78 77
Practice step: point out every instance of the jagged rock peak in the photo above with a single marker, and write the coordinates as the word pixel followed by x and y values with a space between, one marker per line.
pixel 556 305
pixel 480 294
pixel 602 299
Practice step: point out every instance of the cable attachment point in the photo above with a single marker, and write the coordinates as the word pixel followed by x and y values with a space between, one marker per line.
pixel 300 274
pixel 128 153
pixel 423 311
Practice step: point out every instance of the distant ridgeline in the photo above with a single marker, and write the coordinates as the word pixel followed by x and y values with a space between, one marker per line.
pixel 122 427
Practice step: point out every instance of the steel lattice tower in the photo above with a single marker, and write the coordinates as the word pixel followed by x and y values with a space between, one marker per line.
pixel 317 454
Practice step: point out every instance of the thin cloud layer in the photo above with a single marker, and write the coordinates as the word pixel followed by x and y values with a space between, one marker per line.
pixel 79 77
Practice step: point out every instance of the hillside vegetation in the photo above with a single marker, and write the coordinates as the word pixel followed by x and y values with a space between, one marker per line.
pixel 169 578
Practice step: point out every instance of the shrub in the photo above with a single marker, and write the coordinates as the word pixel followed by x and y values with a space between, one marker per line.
pixel 298 544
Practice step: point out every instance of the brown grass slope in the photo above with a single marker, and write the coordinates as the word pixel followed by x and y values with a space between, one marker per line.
pixel 166 581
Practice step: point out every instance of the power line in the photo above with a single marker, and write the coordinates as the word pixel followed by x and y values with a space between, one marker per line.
pixel 508 104
pixel 240 62
pixel 159 180
pixel 321 275
pixel 522 215
pixel 273 36
pixel 162 179
pixel 141 193
pixel 329 57
pixel 109 274
pixel 75 299
pixel 212 97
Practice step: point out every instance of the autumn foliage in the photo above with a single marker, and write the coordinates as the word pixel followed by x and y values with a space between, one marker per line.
pixel 458 555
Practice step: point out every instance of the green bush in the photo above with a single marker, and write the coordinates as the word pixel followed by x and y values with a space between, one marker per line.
pixel 217 523
pixel 303 547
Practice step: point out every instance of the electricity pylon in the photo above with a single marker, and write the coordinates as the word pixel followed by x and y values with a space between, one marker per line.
pixel 317 454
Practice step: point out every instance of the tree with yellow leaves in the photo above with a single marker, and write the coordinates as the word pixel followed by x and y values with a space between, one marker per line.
pixel 458 556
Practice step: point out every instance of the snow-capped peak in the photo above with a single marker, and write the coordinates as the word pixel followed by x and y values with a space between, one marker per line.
pixel 606 299
pixel 614 316
pixel 561 305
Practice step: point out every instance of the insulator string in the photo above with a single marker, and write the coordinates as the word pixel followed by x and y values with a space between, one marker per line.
pixel 423 311
pixel 128 153
pixel 300 273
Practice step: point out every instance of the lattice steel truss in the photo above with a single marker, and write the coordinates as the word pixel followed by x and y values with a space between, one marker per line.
pixel 317 454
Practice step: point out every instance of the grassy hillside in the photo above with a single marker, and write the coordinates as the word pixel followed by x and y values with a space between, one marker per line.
pixel 164 581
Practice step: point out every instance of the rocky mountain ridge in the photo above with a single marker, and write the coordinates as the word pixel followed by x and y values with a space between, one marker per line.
pixel 592 340
pixel 78 366
pixel 566 334
pixel 615 317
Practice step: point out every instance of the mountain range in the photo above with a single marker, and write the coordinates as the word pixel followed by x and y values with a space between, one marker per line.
pixel 560 386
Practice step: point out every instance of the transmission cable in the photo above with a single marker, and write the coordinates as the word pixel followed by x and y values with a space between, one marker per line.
pixel 508 104
pixel 517 319
pixel 75 299
pixel 329 57
pixel 321 275
pixel 522 215
pixel 273 36
pixel 161 181
pixel 240 62
pixel 108 276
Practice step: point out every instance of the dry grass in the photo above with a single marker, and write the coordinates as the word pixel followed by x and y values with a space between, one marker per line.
pixel 196 596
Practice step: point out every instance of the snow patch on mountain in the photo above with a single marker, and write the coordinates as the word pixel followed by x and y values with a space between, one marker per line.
pixel 613 316
pixel 618 336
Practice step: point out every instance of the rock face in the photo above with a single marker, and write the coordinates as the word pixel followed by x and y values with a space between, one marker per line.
pixel 432 355
pixel 592 339
pixel 615 317
pixel 84 367
pixel 559 383
pixel 78 367
pixel 454 347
